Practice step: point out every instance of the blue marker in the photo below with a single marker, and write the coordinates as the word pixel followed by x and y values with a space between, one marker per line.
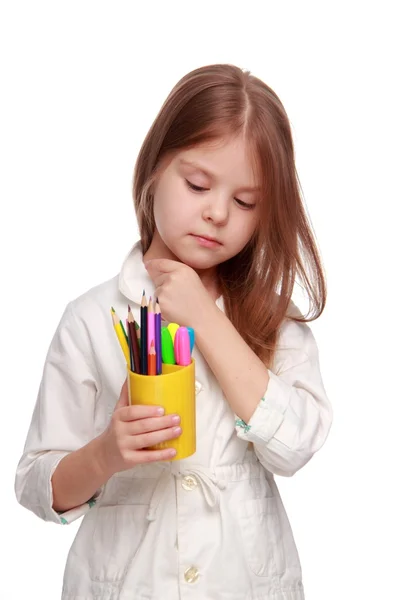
pixel 191 337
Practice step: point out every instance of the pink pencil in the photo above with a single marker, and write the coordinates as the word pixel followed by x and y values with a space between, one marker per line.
pixel 151 331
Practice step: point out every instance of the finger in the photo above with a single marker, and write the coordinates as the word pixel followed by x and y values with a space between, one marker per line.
pixel 152 424
pixel 162 265
pixel 159 278
pixel 146 456
pixel 139 411
pixel 124 396
pixel 155 437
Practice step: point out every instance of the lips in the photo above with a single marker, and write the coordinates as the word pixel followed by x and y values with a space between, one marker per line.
pixel 206 237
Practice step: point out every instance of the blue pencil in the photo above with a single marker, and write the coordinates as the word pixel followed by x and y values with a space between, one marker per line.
pixel 143 335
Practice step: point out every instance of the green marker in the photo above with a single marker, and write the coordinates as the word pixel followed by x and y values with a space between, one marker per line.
pixel 167 347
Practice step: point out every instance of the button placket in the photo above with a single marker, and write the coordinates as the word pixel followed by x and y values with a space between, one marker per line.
pixel 191 575
pixel 189 483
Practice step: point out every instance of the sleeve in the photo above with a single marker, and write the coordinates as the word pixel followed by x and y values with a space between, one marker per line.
pixel 62 420
pixel 293 418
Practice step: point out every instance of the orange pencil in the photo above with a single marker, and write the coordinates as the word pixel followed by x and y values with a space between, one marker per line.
pixel 152 369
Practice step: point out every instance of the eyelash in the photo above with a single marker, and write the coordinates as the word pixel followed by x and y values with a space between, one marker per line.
pixel 196 188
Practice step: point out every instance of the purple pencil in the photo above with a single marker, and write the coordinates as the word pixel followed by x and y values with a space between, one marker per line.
pixel 158 339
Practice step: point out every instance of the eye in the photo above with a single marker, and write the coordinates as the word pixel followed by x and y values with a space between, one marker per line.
pixel 244 204
pixel 195 188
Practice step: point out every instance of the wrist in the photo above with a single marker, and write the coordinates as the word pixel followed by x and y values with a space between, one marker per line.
pixel 99 457
pixel 207 322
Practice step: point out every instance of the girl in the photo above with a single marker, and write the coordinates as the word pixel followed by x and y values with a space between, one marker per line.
pixel 223 233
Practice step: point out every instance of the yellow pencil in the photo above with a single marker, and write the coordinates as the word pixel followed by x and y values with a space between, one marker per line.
pixel 120 335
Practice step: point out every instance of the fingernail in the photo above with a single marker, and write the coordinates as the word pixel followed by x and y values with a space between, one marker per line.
pixel 176 419
pixel 177 430
pixel 160 411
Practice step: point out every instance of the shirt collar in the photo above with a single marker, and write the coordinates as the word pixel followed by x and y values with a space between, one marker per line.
pixel 133 277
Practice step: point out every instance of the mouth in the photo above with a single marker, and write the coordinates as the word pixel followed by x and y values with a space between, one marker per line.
pixel 206 240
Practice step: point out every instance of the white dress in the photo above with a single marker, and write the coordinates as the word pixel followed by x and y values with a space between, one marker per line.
pixel 209 527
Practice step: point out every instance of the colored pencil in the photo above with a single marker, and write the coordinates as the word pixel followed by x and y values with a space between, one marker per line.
pixel 122 326
pixel 158 338
pixel 137 332
pixel 131 358
pixel 119 330
pixel 152 360
pixel 143 335
pixel 150 325
pixel 133 340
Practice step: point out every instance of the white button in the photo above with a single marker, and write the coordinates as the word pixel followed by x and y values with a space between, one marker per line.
pixel 189 483
pixel 198 387
pixel 191 574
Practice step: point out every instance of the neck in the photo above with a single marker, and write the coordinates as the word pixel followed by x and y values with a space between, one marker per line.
pixel 208 277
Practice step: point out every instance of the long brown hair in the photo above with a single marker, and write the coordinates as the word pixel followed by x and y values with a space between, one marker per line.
pixel 211 103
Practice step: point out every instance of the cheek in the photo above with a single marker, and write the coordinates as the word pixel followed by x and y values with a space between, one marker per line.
pixel 245 227
pixel 169 214
pixel 161 217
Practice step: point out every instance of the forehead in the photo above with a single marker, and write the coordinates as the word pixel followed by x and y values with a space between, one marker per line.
pixel 227 159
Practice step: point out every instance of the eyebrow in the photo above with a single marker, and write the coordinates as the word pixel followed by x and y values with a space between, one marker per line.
pixel 212 176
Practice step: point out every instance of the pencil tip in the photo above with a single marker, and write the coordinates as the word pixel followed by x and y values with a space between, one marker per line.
pixel 143 293
pixel 112 309
pixel 129 308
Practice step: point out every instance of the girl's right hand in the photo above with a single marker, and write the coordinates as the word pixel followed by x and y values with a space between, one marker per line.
pixel 132 429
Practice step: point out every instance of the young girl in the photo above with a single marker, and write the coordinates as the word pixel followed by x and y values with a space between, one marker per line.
pixel 223 233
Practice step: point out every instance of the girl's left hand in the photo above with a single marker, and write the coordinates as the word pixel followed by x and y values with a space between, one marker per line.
pixel 181 294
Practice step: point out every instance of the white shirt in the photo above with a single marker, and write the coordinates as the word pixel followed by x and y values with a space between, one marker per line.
pixel 211 526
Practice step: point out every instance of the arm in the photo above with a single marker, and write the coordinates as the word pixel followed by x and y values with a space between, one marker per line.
pixel 287 416
pixel 240 373
pixel 62 422
pixel 78 476
pixel 64 466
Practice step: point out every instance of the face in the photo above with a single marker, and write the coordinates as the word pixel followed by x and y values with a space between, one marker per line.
pixel 205 204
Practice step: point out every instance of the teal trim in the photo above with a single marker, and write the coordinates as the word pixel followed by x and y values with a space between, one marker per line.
pixel 240 423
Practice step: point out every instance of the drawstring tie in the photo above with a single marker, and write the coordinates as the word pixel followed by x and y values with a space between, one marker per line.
pixel 208 482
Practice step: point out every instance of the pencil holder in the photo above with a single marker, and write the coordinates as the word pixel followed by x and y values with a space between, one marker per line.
pixel 174 390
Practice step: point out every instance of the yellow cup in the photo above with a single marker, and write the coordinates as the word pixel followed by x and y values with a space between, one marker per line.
pixel 174 390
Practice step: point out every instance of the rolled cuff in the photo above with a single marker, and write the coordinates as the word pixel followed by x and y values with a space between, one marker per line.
pixel 34 489
pixel 269 413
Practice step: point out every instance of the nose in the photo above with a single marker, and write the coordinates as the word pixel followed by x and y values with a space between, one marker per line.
pixel 216 209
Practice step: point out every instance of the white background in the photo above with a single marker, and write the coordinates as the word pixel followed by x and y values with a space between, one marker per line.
pixel 81 84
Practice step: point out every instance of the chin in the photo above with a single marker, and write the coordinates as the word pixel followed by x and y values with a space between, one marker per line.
pixel 196 260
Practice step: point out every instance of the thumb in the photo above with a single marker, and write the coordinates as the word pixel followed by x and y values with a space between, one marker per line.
pixel 123 397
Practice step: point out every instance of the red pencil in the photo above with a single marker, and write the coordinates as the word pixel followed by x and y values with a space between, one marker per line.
pixel 151 364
